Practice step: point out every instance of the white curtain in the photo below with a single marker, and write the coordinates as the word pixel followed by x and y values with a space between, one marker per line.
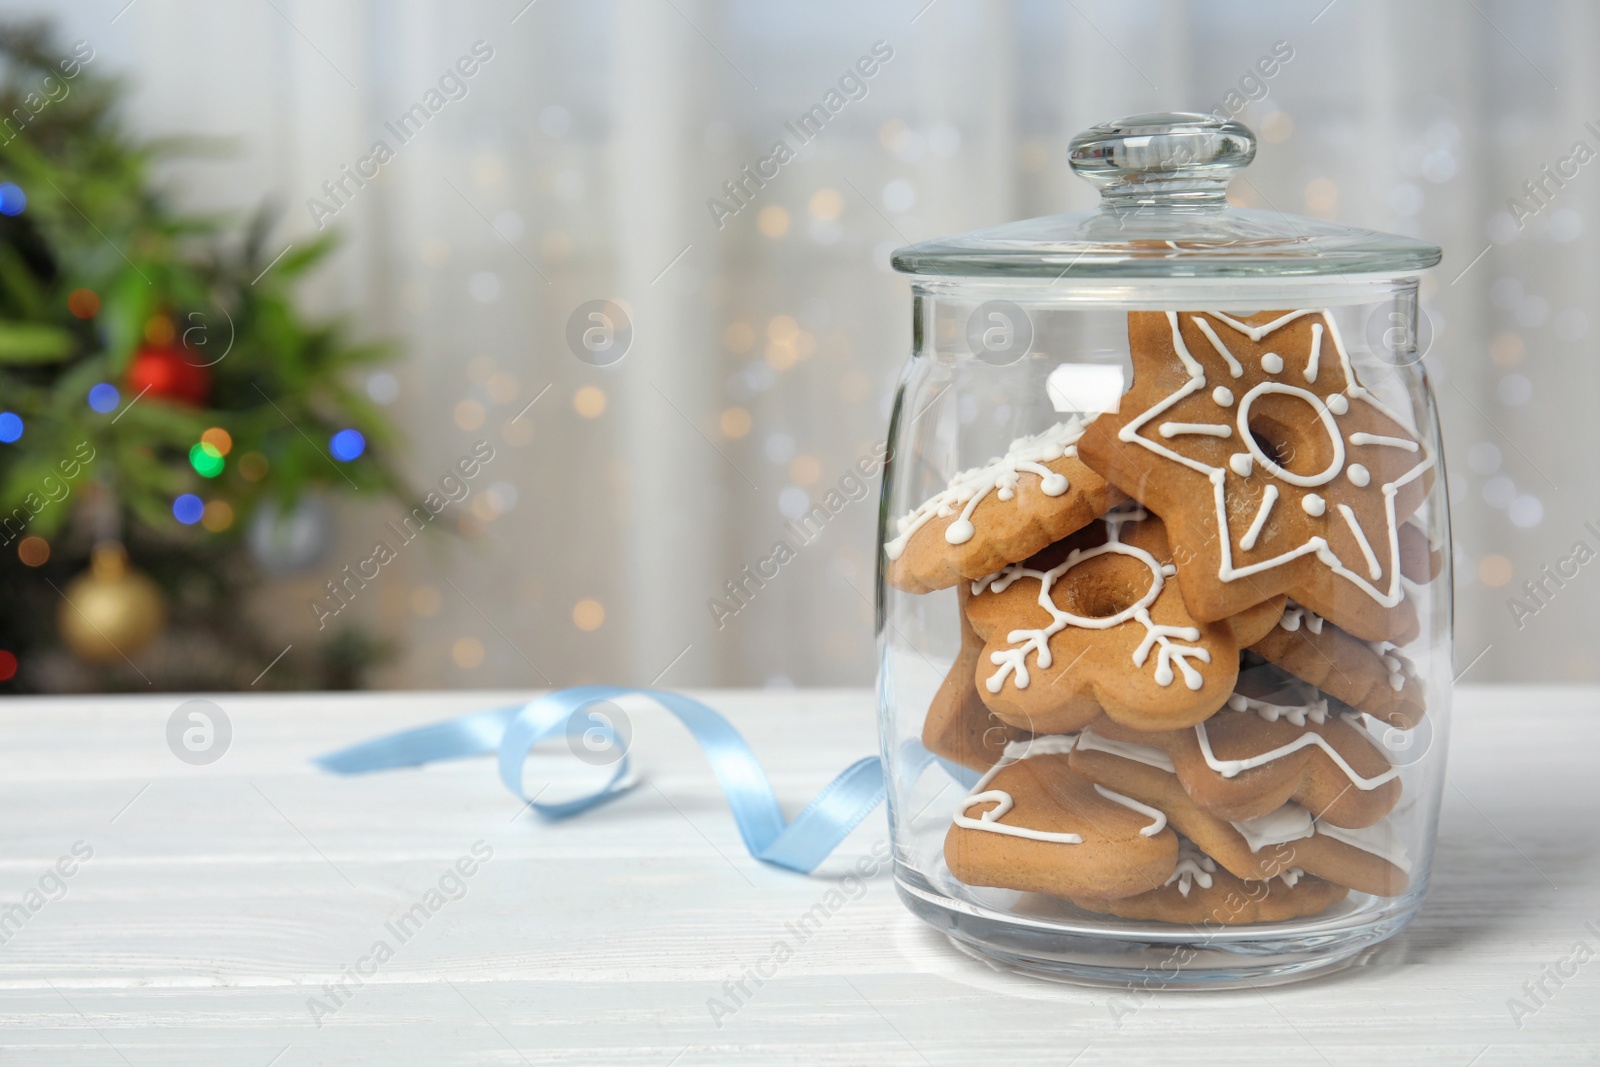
pixel 578 166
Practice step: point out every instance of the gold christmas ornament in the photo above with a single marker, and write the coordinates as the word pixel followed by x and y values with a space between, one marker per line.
pixel 111 610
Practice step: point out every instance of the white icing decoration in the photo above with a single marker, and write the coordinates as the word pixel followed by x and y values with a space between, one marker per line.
pixel 1272 363
pixel 1294 823
pixel 1160 817
pixel 1230 768
pixel 1149 755
pixel 1013 661
pixel 1393 662
pixel 1336 404
pixel 1313 505
pixel 1016 751
pixel 1234 365
pixel 1000 476
pixel 1268 498
pixel 1194 867
pixel 1294 614
pixel 1331 427
pixel 1288 823
pixel 1291 876
pixel 1256 333
pixel 1316 353
pixel 1222 396
pixel 1052 745
pixel 1242 463
pixel 1359 438
pixel 1380 839
pixel 1373 568
pixel 1316 710
pixel 1204 429
pixel 1041 745
pixel 1359 476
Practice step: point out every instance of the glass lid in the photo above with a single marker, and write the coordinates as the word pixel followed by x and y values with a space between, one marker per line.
pixel 1163 213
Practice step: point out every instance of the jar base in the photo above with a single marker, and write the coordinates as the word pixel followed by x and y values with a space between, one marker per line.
pixel 1140 957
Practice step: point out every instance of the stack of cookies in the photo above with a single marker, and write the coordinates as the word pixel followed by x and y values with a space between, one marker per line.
pixel 1180 624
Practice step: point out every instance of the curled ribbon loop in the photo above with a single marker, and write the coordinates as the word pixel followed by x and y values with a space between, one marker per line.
pixel 798 846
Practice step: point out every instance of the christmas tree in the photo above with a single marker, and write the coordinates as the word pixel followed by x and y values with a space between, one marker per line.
pixel 166 417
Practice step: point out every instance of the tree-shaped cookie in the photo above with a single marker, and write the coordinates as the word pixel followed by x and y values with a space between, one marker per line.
pixel 1003 511
pixel 1095 623
pixel 1275 469
pixel 1276 740
pixel 1369 859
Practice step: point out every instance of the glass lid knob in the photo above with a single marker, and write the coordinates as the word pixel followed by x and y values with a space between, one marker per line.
pixel 1171 159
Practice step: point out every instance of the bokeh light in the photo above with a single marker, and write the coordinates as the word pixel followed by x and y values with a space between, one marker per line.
pixel 104 398
pixel 10 427
pixel 218 439
pixel 734 422
pixel 773 221
pixel 159 331
pixel 218 516
pixel 467 652
pixel 188 509
pixel 83 303
pixel 590 402
pixel 253 466
pixel 347 445
pixel 588 614
pixel 205 459
pixel 8 666
pixel 33 551
pixel 12 199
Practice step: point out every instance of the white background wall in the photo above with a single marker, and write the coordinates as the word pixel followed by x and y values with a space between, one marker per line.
pixel 593 138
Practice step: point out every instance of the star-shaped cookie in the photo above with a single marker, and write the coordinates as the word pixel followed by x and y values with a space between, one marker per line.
pixel 1275 469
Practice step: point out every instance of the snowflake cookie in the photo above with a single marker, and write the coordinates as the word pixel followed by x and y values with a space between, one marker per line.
pixel 1001 512
pixel 1095 623
pixel 1276 470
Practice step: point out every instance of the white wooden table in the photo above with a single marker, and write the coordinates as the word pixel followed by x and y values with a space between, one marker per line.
pixel 219 900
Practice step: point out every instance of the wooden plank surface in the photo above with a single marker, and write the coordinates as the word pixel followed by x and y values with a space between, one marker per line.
pixel 221 901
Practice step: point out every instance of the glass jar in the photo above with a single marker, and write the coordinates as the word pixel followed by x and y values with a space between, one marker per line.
pixel 1165 596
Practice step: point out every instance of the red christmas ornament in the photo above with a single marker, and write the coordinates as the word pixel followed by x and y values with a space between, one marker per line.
pixel 168 374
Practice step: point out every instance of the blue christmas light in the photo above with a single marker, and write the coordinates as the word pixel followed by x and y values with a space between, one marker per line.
pixel 347 445
pixel 10 427
pixel 104 398
pixel 12 199
pixel 188 509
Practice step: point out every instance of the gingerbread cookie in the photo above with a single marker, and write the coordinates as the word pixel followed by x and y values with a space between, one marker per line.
pixel 959 726
pixel 1275 741
pixel 1198 891
pixel 1369 860
pixel 1370 676
pixel 1006 510
pixel 1094 623
pixel 1033 825
pixel 1421 561
pixel 1275 469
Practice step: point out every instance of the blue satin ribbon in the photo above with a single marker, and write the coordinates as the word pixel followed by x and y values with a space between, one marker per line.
pixel 798 846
